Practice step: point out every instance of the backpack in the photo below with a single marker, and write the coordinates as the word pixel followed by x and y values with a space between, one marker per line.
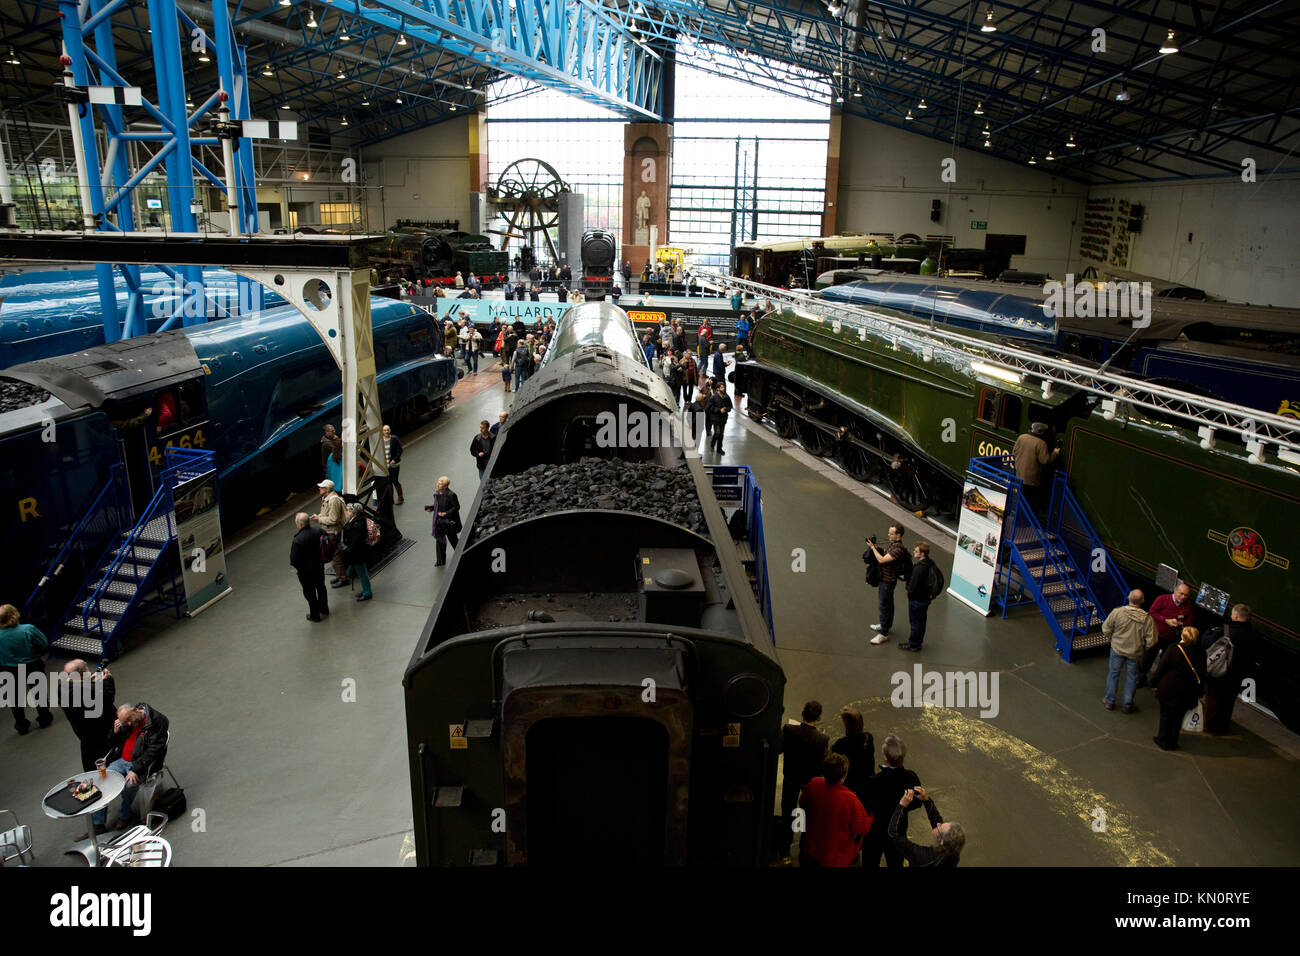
pixel 372 533
pixel 873 568
pixel 1219 657
pixel 329 543
pixel 171 802
pixel 934 581
pixel 904 567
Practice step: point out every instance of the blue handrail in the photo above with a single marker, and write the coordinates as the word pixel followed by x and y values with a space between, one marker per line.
pixel 1063 500
pixel 113 501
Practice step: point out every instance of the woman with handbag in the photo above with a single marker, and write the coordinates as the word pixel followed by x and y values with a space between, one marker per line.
pixel 446 518
pixel 355 548
pixel 1179 682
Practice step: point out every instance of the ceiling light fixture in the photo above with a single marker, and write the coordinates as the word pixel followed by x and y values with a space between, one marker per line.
pixel 453 107
pixel 399 101
pixel 1169 46
pixel 341 75
pixel 401 39
pixel 344 36
pixel 1032 161
pixel 345 121
pixel 311 20
pixel 365 102
pixel 908 116
pixel 921 105
pixel 286 3
pixel 13 58
pixel 857 92
pixel 996 371
pixel 204 58
pixel 987 132
pixel 988 25
pixel 284 106
pixel 1050 157
pixel 267 71
pixel 1123 95
pixel 979 109
pixel 1069 142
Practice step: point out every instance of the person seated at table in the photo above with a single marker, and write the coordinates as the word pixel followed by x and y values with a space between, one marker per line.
pixel 138 743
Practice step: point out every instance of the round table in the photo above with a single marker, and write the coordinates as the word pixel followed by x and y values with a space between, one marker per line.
pixel 111 787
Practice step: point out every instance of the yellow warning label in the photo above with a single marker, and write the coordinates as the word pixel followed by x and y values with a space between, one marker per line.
pixel 732 736
pixel 645 560
pixel 458 741
pixel 733 730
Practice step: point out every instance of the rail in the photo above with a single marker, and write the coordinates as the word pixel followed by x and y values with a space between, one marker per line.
pixel 1102 577
pixel 107 514
pixel 1257 429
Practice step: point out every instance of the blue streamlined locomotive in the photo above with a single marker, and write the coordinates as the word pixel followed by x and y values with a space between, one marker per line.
pixel 1242 354
pixel 255 390
pixel 48 313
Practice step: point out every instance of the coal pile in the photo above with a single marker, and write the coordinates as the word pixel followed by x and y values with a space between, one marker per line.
pixel 15 395
pixel 641 487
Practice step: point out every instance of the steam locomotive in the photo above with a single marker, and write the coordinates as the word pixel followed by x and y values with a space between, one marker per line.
pixel 599 250
pixel 256 391
pixel 415 250
pixel 595 677
pixel 891 410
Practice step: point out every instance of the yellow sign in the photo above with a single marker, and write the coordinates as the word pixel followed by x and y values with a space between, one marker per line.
pixel 732 737
pixel 638 316
pixel 458 741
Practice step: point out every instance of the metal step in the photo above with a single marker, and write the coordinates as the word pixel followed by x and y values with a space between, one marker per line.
pixel 1032 556
pixel 107 608
pixel 88 647
pixel 1089 641
pixel 72 627
pixel 1029 535
pixel 125 572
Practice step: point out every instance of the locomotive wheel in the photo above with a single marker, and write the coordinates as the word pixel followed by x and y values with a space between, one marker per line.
pixel 754 412
pixel 861 464
pixel 816 441
pixel 786 424
pixel 907 488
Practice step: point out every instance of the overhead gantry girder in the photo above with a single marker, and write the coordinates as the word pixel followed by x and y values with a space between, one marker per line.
pixel 573 46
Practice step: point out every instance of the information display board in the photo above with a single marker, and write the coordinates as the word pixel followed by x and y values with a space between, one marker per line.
pixel 979 543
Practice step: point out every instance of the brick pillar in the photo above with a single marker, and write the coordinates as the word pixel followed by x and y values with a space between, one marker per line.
pixel 830 215
pixel 647 158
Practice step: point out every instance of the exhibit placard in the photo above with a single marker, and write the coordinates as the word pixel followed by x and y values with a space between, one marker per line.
pixel 979 544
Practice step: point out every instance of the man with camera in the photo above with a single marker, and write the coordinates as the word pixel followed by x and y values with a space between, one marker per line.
pixel 949 838
pixel 893 563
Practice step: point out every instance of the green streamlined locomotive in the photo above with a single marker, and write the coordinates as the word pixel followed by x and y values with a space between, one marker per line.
pixel 911 416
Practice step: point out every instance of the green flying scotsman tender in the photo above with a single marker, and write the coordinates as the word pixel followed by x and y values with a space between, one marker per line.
pixel 889 408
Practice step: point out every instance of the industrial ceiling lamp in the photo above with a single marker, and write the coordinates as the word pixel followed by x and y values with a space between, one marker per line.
pixel 13 58
pixel 284 106
pixel 345 121
pixel 203 56
pixel 401 39
pixel 1123 95
pixel 857 92
pixel 344 36
pixel 989 26
pixel 286 3
pixel 1050 157
pixel 311 20
pixel 987 132
pixel 399 101
pixel 1032 161
pixel 267 71
pixel 979 109
pixel 1169 46
pixel 340 75
pixel 1069 142
pixel 909 116
pixel 921 105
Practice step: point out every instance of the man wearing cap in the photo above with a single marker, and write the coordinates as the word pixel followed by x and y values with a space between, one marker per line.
pixel 330 520
pixel 1033 458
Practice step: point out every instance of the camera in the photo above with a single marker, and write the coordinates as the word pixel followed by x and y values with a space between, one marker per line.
pixel 872 539
pixel 428 507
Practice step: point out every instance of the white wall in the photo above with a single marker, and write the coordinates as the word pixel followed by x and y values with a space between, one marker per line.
pixel 1245 237
pixel 424 175
pixel 888 178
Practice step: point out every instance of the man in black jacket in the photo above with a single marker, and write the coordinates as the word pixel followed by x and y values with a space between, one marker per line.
pixel 805 748
pixel 920 592
pixel 719 408
pixel 883 792
pixel 1221 692
pixel 949 838
pixel 304 556
pixel 137 746
pixel 92 722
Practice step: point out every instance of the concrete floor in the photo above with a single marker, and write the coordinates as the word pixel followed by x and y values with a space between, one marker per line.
pixel 285 771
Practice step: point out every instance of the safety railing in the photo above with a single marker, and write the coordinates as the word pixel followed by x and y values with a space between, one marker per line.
pixel 1100 576
pixel 100 524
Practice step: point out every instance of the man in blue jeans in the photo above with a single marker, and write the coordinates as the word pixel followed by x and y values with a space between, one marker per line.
pixel 923 586
pixel 1131 631
pixel 137 745
pixel 891 560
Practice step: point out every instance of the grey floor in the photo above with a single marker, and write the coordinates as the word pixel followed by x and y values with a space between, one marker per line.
pixel 285 771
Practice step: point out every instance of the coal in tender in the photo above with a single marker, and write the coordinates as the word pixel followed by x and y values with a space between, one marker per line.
pixel 15 395
pixel 590 483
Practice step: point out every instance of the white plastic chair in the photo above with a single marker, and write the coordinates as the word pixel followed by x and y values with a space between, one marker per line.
pixel 150 851
pixel 18 839
pixel 152 827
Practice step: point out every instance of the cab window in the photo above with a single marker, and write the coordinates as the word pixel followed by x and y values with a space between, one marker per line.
pixel 998 409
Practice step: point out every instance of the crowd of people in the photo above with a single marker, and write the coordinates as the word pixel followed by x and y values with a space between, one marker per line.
pixel 851 812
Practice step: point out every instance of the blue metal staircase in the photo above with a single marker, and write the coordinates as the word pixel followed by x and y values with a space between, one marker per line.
pixel 136 572
pixel 1060 565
